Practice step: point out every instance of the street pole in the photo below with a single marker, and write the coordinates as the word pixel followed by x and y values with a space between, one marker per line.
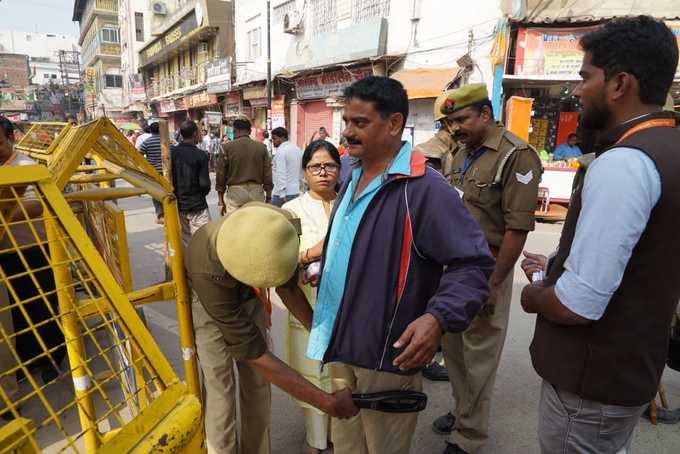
pixel 269 69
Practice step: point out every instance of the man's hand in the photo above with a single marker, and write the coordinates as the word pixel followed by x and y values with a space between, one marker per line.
pixel 533 263
pixel 340 405
pixel 421 338
pixel 489 306
pixel 530 294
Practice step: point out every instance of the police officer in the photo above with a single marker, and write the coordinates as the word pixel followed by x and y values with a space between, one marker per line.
pixel 440 148
pixel 496 174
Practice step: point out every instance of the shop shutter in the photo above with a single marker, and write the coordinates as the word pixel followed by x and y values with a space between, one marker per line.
pixel 316 114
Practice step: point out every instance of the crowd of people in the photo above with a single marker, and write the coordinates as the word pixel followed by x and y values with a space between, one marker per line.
pixel 385 253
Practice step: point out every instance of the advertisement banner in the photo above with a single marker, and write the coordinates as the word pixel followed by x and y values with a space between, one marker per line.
pixel 549 52
pixel 329 84
pixel 214 118
pixel 218 75
pixel 200 99
pixel 278 112
pixel 166 106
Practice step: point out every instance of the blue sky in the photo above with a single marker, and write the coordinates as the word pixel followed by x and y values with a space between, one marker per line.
pixel 45 16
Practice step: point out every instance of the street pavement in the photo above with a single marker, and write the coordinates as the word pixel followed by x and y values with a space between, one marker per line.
pixel 514 412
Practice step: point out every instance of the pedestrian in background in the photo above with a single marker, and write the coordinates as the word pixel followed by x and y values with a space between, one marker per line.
pixel 496 175
pixel 394 276
pixel 142 137
pixel 191 180
pixel 151 150
pixel 244 171
pixel 321 164
pixel 287 168
pixel 605 306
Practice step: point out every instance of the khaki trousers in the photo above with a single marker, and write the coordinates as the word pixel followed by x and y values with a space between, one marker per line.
pixel 372 432
pixel 239 195
pixel 472 359
pixel 219 389
pixel 190 221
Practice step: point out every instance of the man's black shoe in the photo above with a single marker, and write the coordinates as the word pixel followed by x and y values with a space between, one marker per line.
pixel 444 424
pixel 454 449
pixel 436 372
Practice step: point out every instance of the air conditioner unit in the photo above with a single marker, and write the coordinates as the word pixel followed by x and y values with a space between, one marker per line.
pixel 203 47
pixel 293 23
pixel 159 8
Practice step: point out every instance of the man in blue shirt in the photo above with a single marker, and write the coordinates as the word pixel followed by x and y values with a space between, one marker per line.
pixel 568 150
pixel 403 263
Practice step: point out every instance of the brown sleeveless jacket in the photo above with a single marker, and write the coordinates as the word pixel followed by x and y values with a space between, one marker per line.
pixel 618 360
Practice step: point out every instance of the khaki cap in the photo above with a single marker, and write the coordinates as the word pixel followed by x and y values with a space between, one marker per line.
pixel 463 97
pixel 438 103
pixel 258 245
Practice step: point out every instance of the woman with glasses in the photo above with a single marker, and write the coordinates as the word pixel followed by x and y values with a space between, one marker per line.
pixel 321 167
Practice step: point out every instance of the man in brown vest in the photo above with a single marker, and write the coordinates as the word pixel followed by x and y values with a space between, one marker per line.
pixel 605 306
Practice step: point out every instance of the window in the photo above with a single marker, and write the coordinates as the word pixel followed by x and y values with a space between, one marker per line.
pixel 46 76
pixel 364 10
pixel 139 26
pixel 113 81
pixel 324 16
pixel 254 43
pixel 110 35
pixel 53 76
pixel 281 10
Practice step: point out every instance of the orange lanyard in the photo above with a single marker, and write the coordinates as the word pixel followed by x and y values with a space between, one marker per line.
pixel 263 296
pixel 655 123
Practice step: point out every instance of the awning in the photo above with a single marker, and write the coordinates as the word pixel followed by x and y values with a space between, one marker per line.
pixel 425 83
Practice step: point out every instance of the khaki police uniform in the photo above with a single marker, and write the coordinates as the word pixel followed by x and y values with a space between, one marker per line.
pixel 499 186
pixel 230 325
pixel 438 150
pixel 244 172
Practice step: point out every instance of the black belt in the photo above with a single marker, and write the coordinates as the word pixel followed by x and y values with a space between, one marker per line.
pixel 392 401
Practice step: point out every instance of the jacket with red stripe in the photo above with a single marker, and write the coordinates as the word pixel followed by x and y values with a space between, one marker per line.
pixel 417 250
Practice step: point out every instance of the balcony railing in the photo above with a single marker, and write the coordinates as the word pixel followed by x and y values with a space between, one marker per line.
pixel 109 7
pixel 184 79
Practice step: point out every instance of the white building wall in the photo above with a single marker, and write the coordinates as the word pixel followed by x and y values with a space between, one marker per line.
pixel 130 47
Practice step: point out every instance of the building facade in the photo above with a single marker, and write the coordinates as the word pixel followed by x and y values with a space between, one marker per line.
pixel 191 45
pixel 14 85
pixel 101 57
pixel 319 47
pixel 46 53
pixel 134 19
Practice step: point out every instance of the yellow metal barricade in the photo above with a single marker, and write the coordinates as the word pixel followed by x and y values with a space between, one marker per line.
pixel 41 139
pixel 67 333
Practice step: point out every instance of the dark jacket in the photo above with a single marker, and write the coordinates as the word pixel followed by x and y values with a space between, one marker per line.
pixel 618 359
pixel 416 251
pixel 190 177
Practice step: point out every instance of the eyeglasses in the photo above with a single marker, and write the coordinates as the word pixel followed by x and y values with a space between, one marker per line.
pixel 316 169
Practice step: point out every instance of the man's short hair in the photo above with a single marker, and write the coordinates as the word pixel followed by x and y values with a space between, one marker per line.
pixel 6 126
pixel 572 136
pixel 388 95
pixel 154 128
pixel 280 132
pixel 642 46
pixel 242 124
pixel 480 105
pixel 188 129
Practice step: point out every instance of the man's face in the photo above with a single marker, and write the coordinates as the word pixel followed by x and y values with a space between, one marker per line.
pixel 276 140
pixel 572 141
pixel 592 92
pixel 367 132
pixel 469 125
pixel 323 134
pixel 6 144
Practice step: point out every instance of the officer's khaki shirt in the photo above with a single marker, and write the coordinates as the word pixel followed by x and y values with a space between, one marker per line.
pixel 508 204
pixel 222 296
pixel 243 161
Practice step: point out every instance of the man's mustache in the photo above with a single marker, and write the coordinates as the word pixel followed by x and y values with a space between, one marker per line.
pixel 353 141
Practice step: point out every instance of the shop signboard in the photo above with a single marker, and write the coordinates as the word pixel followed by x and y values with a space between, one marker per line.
pixel 218 74
pixel 180 104
pixel 232 104
pixel 170 40
pixel 200 99
pixel 329 84
pixel 550 52
pixel 278 112
pixel 258 103
pixel 258 91
pixel 213 118
pixel 167 106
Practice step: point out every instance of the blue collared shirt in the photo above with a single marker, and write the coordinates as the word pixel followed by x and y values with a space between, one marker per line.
pixel 566 151
pixel 621 188
pixel 346 222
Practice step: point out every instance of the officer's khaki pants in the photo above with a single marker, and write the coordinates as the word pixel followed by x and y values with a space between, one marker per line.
pixel 472 359
pixel 239 195
pixel 219 388
pixel 372 432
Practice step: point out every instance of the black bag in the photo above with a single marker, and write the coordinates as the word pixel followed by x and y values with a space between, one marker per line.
pixel 392 401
